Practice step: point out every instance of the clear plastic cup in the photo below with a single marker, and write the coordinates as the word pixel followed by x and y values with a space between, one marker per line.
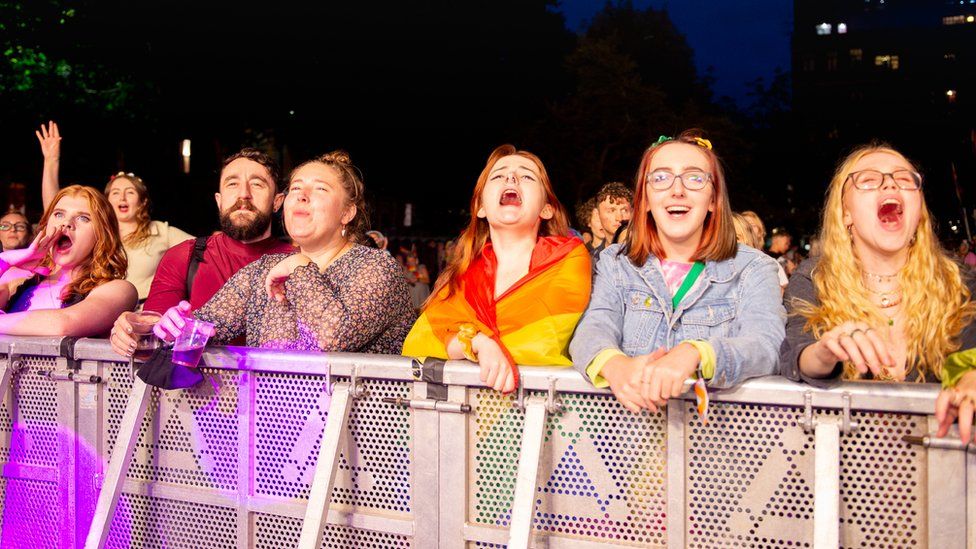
pixel 142 329
pixel 190 343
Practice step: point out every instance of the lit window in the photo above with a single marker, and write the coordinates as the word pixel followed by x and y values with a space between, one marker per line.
pixel 842 28
pixel 954 20
pixel 857 54
pixel 886 61
pixel 824 28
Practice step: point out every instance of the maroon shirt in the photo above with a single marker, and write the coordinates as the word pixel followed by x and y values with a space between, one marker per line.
pixel 223 257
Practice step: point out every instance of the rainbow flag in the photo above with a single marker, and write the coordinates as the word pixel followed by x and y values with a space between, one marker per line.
pixel 532 321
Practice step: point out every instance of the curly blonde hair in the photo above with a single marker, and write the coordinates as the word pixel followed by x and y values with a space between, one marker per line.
pixel 935 300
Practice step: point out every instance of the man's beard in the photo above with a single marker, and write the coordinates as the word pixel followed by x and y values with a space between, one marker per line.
pixel 251 230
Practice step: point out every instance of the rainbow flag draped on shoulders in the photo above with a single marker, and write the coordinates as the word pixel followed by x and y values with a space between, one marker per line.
pixel 532 321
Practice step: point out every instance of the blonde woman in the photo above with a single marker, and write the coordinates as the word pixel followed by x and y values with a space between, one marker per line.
pixel 744 232
pixel 883 301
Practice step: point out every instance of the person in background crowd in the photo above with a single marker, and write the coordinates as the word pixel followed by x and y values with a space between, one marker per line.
pixel 816 246
pixel 612 208
pixel 517 282
pixel 966 254
pixel 416 275
pixel 17 199
pixel 332 295
pixel 757 226
pixel 74 271
pixel 883 301
pixel 194 270
pixel 744 232
pixel 779 247
pixel 15 231
pixel 680 298
pixel 377 237
pixel 145 240
pixel 588 220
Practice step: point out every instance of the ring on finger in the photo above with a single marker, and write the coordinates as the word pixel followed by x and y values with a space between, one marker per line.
pixel 854 331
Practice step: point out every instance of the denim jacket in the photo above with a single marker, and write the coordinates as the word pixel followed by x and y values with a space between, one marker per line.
pixel 736 306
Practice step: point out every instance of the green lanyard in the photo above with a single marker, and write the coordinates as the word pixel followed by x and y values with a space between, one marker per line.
pixel 689 281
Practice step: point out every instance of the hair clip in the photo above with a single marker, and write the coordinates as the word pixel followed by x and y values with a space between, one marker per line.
pixel 704 143
pixel 662 139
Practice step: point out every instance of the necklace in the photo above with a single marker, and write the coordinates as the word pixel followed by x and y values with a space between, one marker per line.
pixel 889 298
pixel 879 277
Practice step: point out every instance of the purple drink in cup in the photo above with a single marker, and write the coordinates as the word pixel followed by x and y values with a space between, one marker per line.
pixel 191 342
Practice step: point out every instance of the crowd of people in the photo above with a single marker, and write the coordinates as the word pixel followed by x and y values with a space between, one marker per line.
pixel 662 282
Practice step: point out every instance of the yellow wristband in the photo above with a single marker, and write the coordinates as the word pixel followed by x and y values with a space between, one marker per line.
pixel 707 353
pixel 466 333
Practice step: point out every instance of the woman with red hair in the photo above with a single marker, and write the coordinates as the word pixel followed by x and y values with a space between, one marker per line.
pixel 517 282
pixel 70 280
pixel 679 297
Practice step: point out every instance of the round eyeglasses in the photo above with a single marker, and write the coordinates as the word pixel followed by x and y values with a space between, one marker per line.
pixel 692 180
pixel 869 180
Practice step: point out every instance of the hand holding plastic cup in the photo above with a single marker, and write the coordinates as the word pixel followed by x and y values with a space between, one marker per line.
pixel 142 324
pixel 191 341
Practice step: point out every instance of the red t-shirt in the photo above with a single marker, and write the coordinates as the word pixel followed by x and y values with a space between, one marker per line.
pixel 223 257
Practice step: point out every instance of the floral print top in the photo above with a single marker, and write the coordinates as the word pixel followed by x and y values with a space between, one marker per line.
pixel 360 303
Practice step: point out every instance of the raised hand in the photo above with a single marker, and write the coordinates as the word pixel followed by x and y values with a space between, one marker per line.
pixel 50 139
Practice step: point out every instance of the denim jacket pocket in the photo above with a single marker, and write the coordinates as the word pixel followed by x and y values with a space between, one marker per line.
pixel 642 317
pixel 708 319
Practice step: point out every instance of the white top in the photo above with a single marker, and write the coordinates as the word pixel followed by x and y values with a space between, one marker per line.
pixel 144 259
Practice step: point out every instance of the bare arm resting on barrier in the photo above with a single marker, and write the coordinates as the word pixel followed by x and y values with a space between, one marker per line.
pixel 93 316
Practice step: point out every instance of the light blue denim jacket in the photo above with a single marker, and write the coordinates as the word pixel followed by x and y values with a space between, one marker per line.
pixel 736 306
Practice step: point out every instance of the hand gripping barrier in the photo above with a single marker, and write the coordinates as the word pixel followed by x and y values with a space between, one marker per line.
pixel 289 449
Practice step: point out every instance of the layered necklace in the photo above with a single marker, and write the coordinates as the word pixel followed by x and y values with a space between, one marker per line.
pixel 886 289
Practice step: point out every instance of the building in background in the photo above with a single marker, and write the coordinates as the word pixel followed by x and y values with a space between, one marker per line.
pixel 903 71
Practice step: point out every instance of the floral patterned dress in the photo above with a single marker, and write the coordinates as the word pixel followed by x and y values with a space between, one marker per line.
pixel 360 303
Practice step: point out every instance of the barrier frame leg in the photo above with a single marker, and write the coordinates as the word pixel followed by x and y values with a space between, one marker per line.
pixel 826 512
pixel 118 467
pixel 317 511
pixel 523 505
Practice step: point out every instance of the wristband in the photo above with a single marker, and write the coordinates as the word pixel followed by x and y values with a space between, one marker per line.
pixel 466 332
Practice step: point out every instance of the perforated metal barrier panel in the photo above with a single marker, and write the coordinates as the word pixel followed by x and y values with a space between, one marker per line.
pixel 750 479
pixel 32 499
pixel 603 473
pixel 230 464
pixel 194 442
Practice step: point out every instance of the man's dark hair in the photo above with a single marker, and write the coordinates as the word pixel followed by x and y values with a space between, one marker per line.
pixel 615 191
pixel 260 157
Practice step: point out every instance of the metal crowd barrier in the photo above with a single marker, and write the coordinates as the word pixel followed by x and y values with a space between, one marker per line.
pixel 424 457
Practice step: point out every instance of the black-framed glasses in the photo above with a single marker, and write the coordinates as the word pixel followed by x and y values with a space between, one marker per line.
pixel 693 180
pixel 869 180
pixel 19 227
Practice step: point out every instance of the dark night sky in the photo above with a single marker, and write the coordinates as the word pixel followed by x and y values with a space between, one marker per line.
pixel 739 40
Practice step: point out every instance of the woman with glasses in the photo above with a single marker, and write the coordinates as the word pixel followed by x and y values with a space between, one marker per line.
pixel 680 299
pixel 883 301
pixel 15 231
pixel 145 239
